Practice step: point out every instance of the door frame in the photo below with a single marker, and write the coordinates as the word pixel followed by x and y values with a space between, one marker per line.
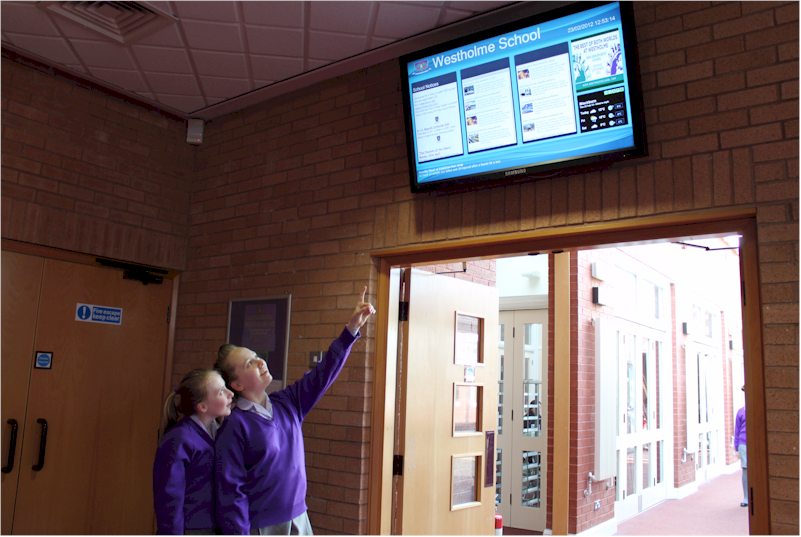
pixel 661 229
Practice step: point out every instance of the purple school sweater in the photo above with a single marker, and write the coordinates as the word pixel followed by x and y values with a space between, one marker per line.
pixel 739 429
pixel 183 485
pixel 261 463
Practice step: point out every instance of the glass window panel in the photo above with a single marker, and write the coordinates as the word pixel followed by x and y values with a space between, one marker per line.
pixel 465 487
pixel 659 448
pixel 699 457
pixel 696 320
pixel 708 448
pixel 631 467
pixel 466 408
pixel 501 350
pixel 532 417
pixel 649 299
pixel 631 383
pixel 531 479
pixel 644 343
pixel 468 331
pixel 708 324
pixel 498 474
pixel 657 384
pixel 626 291
pixel 646 466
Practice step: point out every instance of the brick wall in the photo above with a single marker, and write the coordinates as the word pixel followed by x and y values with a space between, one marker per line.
pixel 88 172
pixel 293 195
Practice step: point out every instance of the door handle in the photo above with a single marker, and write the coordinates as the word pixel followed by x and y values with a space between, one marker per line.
pixel 12 448
pixel 42 444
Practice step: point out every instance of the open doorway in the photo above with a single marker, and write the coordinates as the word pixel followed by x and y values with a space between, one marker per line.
pixel 564 483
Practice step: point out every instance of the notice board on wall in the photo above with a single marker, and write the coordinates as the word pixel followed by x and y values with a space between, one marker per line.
pixel 262 325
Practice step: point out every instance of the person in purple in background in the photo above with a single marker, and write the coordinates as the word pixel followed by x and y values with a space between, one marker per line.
pixel 183 485
pixel 260 454
pixel 739 447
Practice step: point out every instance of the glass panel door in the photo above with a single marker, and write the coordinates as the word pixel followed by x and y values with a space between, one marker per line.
pixel 521 487
pixel 643 431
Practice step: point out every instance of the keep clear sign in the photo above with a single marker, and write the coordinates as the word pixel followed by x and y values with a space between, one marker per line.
pixel 90 313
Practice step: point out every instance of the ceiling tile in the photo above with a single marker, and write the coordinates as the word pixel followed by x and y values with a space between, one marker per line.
pixel 274 41
pixel 224 88
pixel 103 54
pixel 220 64
pixel 270 68
pixel 76 67
pixel 168 36
pixel 130 80
pixel 400 20
pixel 235 46
pixel 328 46
pixel 345 17
pixel 478 6
pixel 25 18
pixel 184 103
pixel 452 15
pixel 314 64
pixel 206 11
pixel 213 36
pixel 51 48
pixel 375 42
pixel 274 13
pixel 165 83
pixel 424 3
pixel 163 59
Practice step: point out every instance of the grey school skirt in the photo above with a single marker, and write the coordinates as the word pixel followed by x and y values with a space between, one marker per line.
pixel 300 525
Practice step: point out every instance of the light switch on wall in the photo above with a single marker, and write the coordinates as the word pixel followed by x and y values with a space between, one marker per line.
pixel 315 357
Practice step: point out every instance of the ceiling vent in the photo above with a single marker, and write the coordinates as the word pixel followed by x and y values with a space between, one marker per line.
pixel 124 22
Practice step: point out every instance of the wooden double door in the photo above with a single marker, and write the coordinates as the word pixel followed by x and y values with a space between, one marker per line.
pixel 85 428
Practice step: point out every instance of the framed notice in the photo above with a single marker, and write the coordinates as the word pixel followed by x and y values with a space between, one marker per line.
pixel 262 325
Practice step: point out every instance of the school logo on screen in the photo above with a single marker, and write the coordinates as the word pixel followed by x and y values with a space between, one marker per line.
pixel 420 67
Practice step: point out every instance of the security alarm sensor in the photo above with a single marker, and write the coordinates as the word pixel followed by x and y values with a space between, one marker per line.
pixel 194 131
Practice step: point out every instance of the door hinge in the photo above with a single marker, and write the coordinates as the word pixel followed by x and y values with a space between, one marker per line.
pixel 397 465
pixel 168 314
pixel 513 332
pixel 403 312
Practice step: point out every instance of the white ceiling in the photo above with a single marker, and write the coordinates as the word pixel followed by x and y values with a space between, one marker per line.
pixel 211 58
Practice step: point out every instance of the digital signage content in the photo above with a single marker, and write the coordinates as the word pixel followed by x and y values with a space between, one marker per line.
pixel 557 90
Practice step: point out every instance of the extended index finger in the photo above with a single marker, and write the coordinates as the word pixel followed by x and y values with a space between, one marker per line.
pixel 364 292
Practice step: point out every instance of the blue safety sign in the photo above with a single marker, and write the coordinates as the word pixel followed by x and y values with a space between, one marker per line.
pixel 44 360
pixel 90 313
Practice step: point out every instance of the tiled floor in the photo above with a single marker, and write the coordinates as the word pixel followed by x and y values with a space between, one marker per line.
pixel 713 510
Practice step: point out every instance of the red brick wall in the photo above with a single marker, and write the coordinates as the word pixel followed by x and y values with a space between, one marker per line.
pixel 293 195
pixel 88 172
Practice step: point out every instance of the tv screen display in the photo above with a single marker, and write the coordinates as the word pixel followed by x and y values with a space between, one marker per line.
pixel 524 100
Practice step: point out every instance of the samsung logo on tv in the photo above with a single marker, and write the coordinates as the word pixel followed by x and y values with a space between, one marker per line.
pixel 516 172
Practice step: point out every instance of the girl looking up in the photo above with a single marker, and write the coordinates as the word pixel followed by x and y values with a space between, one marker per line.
pixel 183 480
pixel 260 460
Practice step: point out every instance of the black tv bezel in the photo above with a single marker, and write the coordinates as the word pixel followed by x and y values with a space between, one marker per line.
pixel 550 169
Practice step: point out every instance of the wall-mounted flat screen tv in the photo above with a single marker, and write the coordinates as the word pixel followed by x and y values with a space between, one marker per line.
pixel 528 100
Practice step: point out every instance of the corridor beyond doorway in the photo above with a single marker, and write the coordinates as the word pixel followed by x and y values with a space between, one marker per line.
pixel 713 510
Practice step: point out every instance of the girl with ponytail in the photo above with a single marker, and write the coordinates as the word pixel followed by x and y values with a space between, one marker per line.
pixel 183 484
